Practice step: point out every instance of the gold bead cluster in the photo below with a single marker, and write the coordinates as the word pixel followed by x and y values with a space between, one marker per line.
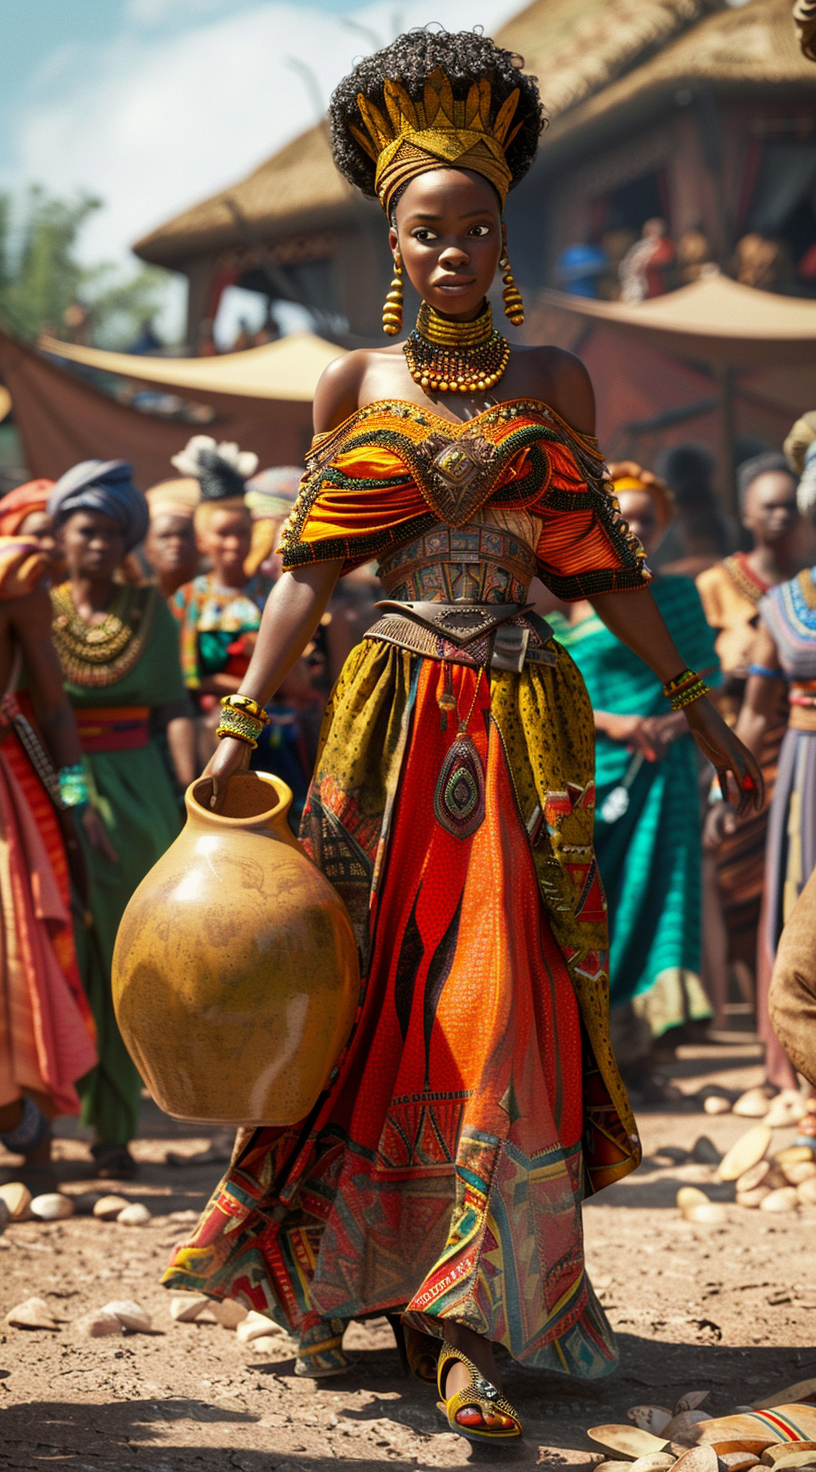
pixel 456 357
pixel 392 310
pixel 511 296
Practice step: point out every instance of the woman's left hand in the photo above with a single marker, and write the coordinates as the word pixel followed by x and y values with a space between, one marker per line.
pixel 726 753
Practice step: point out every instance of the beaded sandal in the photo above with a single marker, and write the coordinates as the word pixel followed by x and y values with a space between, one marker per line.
pixel 320 1351
pixel 488 1416
pixel 417 1351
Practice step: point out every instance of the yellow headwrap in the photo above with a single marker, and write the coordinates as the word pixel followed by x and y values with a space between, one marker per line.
pixel 661 496
pixel 437 133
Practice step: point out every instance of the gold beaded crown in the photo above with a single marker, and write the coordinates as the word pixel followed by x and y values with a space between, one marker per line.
pixel 437 133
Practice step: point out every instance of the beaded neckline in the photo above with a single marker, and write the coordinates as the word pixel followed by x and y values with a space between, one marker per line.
pixel 493 414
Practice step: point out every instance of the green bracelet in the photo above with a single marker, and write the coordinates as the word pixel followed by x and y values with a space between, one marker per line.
pixel 73 785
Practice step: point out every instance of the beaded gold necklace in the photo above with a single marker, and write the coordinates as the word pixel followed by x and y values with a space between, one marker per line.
pixel 456 357
pixel 96 655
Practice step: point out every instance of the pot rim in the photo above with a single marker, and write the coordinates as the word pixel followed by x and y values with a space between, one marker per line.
pixel 282 792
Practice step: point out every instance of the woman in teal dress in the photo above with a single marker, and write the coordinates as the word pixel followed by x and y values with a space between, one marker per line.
pixel 647 816
pixel 118 645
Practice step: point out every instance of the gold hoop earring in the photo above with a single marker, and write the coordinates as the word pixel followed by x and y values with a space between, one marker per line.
pixel 392 311
pixel 513 305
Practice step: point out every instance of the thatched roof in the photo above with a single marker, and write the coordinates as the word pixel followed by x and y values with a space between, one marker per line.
pixel 577 47
pixel 295 190
pixel 593 58
pixel 754 44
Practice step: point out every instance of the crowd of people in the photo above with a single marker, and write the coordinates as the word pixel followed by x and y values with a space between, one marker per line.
pixel 125 617
pixel 518 774
pixel 622 265
pixel 156 602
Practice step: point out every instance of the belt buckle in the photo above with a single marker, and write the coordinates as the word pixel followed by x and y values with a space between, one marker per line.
pixel 509 648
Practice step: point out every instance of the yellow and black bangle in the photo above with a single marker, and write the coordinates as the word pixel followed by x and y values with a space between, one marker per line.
pixel 679 682
pixel 241 723
pixel 684 689
pixel 246 704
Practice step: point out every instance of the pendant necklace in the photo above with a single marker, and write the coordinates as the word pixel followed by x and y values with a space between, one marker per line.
pixel 459 799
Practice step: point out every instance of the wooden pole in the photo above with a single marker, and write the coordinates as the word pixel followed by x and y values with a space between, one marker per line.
pixel 724 375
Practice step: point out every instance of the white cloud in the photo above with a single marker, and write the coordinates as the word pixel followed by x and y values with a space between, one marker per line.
pixel 152 123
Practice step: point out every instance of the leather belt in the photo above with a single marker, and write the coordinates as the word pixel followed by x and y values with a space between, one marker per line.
pixel 459 622
pixel 470 633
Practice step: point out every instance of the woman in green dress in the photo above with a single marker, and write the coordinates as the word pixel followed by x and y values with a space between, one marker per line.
pixel 119 650
pixel 647 815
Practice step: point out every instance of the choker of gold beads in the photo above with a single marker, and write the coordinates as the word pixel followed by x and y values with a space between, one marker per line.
pixel 456 357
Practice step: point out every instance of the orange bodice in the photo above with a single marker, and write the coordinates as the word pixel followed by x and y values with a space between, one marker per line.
pixel 396 471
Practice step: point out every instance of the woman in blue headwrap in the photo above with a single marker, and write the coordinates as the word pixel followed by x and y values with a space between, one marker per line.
pixel 119 650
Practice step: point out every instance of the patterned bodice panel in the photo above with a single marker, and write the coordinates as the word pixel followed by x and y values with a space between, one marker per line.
pixel 491 559
pixel 789 612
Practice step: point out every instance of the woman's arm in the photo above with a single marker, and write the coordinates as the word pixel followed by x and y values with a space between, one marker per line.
pixel 32 627
pixel 181 743
pixel 292 613
pixel 635 619
pixel 761 702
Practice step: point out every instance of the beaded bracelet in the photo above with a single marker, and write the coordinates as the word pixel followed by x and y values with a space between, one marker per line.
pixel 73 786
pixel 688 696
pixel 765 671
pixel 685 677
pixel 240 723
pixel 684 689
pixel 246 704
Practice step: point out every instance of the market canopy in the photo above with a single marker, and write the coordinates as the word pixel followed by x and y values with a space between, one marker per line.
pixel 62 418
pixel 288 369
pixel 715 320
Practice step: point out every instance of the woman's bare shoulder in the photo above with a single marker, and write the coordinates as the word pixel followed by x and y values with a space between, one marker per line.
pixel 338 390
pixel 560 379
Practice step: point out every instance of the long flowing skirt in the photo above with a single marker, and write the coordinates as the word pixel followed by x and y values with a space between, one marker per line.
pixel 442 1173
pixel 790 859
pixel 46 1030
pixel 649 860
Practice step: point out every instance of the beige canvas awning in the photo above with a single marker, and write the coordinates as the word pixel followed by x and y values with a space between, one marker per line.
pixel 287 369
pixel 716 320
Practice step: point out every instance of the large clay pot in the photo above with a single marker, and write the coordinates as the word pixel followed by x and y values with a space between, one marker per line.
pixel 235 973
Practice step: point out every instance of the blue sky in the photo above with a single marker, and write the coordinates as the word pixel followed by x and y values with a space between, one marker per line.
pixel 153 104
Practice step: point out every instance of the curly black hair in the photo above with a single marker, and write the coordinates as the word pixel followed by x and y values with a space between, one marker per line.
pixel 464 56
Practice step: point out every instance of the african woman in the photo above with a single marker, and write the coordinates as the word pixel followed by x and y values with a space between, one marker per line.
pixel 647 825
pixel 119 652
pixel 440 1177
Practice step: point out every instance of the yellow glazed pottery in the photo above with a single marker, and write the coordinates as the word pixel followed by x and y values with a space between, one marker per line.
pixel 235 973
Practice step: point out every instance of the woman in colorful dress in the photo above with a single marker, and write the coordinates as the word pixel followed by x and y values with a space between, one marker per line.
pixel 220 610
pixel 731 593
pixel 439 1178
pixel 783 662
pixel 46 1027
pixel 647 818
pixel 220 614
pixel 118 646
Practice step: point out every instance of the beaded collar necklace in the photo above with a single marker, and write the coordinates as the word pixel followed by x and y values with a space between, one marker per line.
pixel 97 655
pixel 456 357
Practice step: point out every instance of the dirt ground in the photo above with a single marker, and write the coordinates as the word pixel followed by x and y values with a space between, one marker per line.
pixel 730 1308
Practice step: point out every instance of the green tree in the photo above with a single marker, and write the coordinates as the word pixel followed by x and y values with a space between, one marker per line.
pixel 41 274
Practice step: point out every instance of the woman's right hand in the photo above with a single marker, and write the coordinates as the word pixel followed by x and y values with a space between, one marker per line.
pixel 232 755
pixel 720 822
pixel 97 834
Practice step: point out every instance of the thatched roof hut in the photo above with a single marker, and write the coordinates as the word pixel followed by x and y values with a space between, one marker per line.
pixel 295 228
pixel 695 110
